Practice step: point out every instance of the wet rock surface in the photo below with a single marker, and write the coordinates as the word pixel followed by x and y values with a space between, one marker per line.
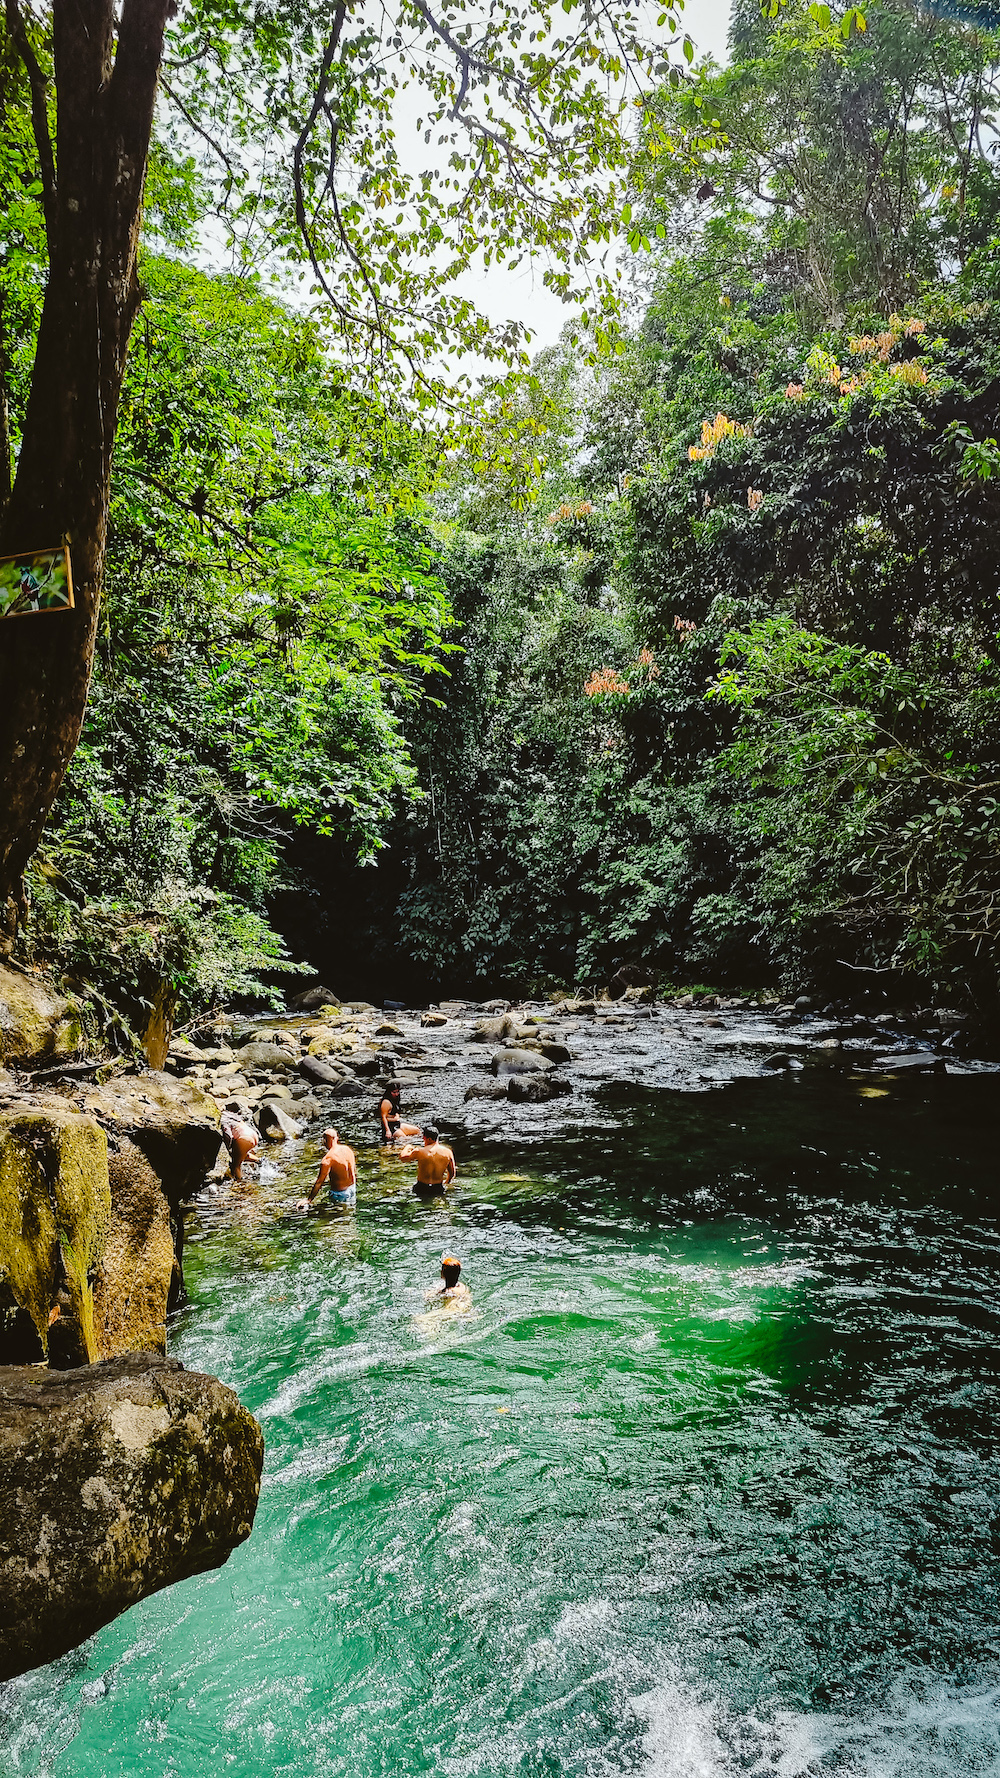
pixel 116 1479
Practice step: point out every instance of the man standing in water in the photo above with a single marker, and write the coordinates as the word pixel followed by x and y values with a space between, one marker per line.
pixel 435 1162
pixel 338 1167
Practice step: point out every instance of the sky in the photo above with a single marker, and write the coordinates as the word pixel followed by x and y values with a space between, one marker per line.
pixel 521 295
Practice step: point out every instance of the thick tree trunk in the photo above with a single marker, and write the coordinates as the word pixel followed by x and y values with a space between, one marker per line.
pixel 105 95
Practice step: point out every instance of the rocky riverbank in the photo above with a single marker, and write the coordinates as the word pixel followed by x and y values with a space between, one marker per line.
pixel 535 1064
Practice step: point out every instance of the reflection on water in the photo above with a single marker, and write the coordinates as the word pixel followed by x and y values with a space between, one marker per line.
pixel 705 1484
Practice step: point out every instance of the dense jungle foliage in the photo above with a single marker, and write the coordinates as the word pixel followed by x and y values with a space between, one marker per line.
pixel 718 698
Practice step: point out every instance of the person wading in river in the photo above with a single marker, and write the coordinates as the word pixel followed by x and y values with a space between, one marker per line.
pixel 435 1162
pixel 389 1118
pixel 241 1139
pixel 339 1168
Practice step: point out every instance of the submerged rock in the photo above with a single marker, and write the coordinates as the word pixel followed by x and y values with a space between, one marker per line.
pixel 116 1479
pixel 536 1089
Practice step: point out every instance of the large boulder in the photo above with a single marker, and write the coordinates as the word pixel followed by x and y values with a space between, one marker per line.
pixel 518 1061
pixel 116 1479
pixel 275 1124
pixel 311 999
pixel 267 1058
pixel 36 1022
pixel 319 1073
pixel 535 1089
pixel 86 1247
pixel 132 1283
pixel 55 1212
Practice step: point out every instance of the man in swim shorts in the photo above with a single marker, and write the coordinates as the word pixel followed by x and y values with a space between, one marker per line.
pixel 339 1169
pixel 435 1162
pixel 241 1139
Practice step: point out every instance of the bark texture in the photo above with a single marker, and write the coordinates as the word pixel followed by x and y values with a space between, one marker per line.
pixel 105 92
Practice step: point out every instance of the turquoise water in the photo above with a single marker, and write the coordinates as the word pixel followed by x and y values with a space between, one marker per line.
pixel 705 1485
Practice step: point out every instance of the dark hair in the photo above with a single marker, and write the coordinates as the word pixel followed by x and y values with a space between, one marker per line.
pixel 392 1090
pixel 430 1132
pixel 450 1269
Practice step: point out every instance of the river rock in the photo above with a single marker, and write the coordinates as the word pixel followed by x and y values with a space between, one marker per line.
pixel 555 1052
pixel 318 1072
pixel 534 1089
pixel 263 1058
pixel 116 1480
pixel 919 1062
pixel 311 999
pixel 36 1022
pixel 486 1089
pixel 346 1088
pixel 507 1062
pixel 432 1020
pixel 275 1124
pixel 778 1062
pixel 489 1030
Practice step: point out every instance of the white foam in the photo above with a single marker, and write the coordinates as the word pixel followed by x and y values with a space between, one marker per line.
pixel 925 1728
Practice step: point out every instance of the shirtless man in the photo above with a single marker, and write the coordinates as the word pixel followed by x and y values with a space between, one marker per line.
pixel 339 1168
pixel 435 1163
pixel 241 1139
pixel 389 1117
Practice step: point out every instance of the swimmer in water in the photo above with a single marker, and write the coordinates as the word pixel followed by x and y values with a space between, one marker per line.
pixel 449 1290
pixel 241 1139
pixel 339 1169
pixel 436 1167
pixel 392 1125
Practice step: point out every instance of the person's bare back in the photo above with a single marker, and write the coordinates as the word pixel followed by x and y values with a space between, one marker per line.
pixel 337 1169
pixel 435 1162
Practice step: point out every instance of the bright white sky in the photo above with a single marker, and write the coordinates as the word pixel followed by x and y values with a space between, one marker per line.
pixel 521 295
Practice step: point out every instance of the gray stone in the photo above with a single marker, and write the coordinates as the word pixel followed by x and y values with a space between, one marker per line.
pixel 486 1089
pixel 275 1124
pixel 312 999
pixel 431 1020
pixel 520 1062
pixel 920 1062
pixel 535 1089
pixel 804 1003
pixel 777 1062
pixel 320 1073
pixel 116 1479
pixel 555 1052
pixel 260 1056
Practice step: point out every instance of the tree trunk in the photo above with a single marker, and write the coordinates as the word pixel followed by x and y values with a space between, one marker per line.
pixel 105 95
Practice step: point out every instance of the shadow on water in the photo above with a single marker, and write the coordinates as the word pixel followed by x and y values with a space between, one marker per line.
pixel 705 1485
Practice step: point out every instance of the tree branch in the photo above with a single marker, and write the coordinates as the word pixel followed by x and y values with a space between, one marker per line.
pixel 39 113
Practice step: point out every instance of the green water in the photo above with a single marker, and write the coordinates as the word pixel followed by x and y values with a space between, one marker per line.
pixel 705 1485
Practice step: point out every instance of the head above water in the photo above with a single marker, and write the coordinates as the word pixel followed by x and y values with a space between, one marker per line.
pixel 330 1137
pixel 430 1133
pixel 450 1270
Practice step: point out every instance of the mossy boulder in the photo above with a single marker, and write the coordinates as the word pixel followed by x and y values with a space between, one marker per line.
pixel 36 1022
pixel 116 1480
pixel 55 1213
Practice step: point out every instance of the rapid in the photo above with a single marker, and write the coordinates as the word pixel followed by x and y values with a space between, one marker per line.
pixel 705 1484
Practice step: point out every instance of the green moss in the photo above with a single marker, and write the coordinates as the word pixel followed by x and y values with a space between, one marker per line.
pixel 55 1211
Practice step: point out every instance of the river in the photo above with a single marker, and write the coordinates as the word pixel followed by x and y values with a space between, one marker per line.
pixel 704 1485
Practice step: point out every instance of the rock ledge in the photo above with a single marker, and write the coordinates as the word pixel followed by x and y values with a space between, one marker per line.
pixel 115 1480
